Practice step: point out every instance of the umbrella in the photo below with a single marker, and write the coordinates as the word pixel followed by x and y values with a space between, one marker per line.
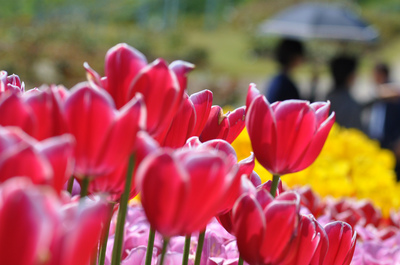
pixel 320 21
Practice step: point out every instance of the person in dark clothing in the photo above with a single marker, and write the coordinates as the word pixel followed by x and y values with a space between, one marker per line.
pixel 289 54
pixel 348 110
pixel 384 123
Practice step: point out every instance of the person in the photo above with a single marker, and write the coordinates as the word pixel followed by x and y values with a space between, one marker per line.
pixel 289 54
pixel 384 122
pixel 348 110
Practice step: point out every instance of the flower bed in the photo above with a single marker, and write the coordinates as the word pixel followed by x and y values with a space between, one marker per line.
pixel 70 160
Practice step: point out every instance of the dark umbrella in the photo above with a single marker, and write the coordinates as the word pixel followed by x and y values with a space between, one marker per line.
pixel 320 21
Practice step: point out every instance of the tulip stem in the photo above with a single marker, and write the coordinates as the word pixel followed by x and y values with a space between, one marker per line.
pixel 199 249
pixel 104 238
pixel 240 262
pixel 185 258
pixel 70 184
pixel 274 185
pixel 164 250
pixel 85 186
pixel 150 246
pixel 123 205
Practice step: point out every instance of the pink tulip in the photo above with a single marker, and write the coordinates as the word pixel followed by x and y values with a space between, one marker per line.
pixel 47 162
pixel 309 246
pixel 24 232
pixel 162 86
pixel 113 184
pixel 223 126
pixel 182 190
pixel 10 83
pixel 286 136
pixel 35 228
pixel 77 233
pixel 189 120
pixel 342 242
pixel 37 112
pixel 105 137
pixel 264 226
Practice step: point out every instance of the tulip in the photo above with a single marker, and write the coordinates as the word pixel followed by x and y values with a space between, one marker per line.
pixel 113 184
pixel 182 190
pixel 189 120
pixel 309 246
pixel 223 126
pixel 24 235
pixel 286 136
pixel 35 228
pixel 47 162
pixel 37 112
pixel 162 86
pixel 342 242
pixel 78 232
pixel 264 226
pixel 104 136
pixel 10 83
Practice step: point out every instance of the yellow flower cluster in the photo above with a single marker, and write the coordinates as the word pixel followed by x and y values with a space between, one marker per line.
pixel 350 165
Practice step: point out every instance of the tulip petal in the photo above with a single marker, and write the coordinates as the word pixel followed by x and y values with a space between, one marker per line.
pixel 182 125
pixel 202 102
pixel 236 123
pixel 252 93
pixel 161 92
pixel 249 228
pixel 16 113
pixel 158 177
pixel 282 219
pixel 89 115
pixel 260 123
pixel 122 64
pixel 316 144
pixel 59 152
pixel 181 70
pixel 217 126
pixel 295 122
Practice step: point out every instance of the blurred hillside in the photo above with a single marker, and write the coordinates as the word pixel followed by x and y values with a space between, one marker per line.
pixel 47 41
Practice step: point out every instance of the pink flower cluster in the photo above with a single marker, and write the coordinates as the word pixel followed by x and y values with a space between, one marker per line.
pixel 136 130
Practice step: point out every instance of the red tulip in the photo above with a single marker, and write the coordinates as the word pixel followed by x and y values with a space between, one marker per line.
pixel 264 226
pixel 104 136
pixel 223 126
pixel 342 243
pixel 286 136
pixel 162 86
pixel 38 113
pixel 47 162
pixel 182 190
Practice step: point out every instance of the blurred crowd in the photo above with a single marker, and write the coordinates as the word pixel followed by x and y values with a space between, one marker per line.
pixel 379 118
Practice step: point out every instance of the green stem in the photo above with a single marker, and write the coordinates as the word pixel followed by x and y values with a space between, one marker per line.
pixel 164 250
pixel 104 238
pixel 123 205
pixel 70 184
pixel 185 258
pixel 84 186
pixel 150 246
pixel 240 261
pixel 199 249
pixel 274 186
